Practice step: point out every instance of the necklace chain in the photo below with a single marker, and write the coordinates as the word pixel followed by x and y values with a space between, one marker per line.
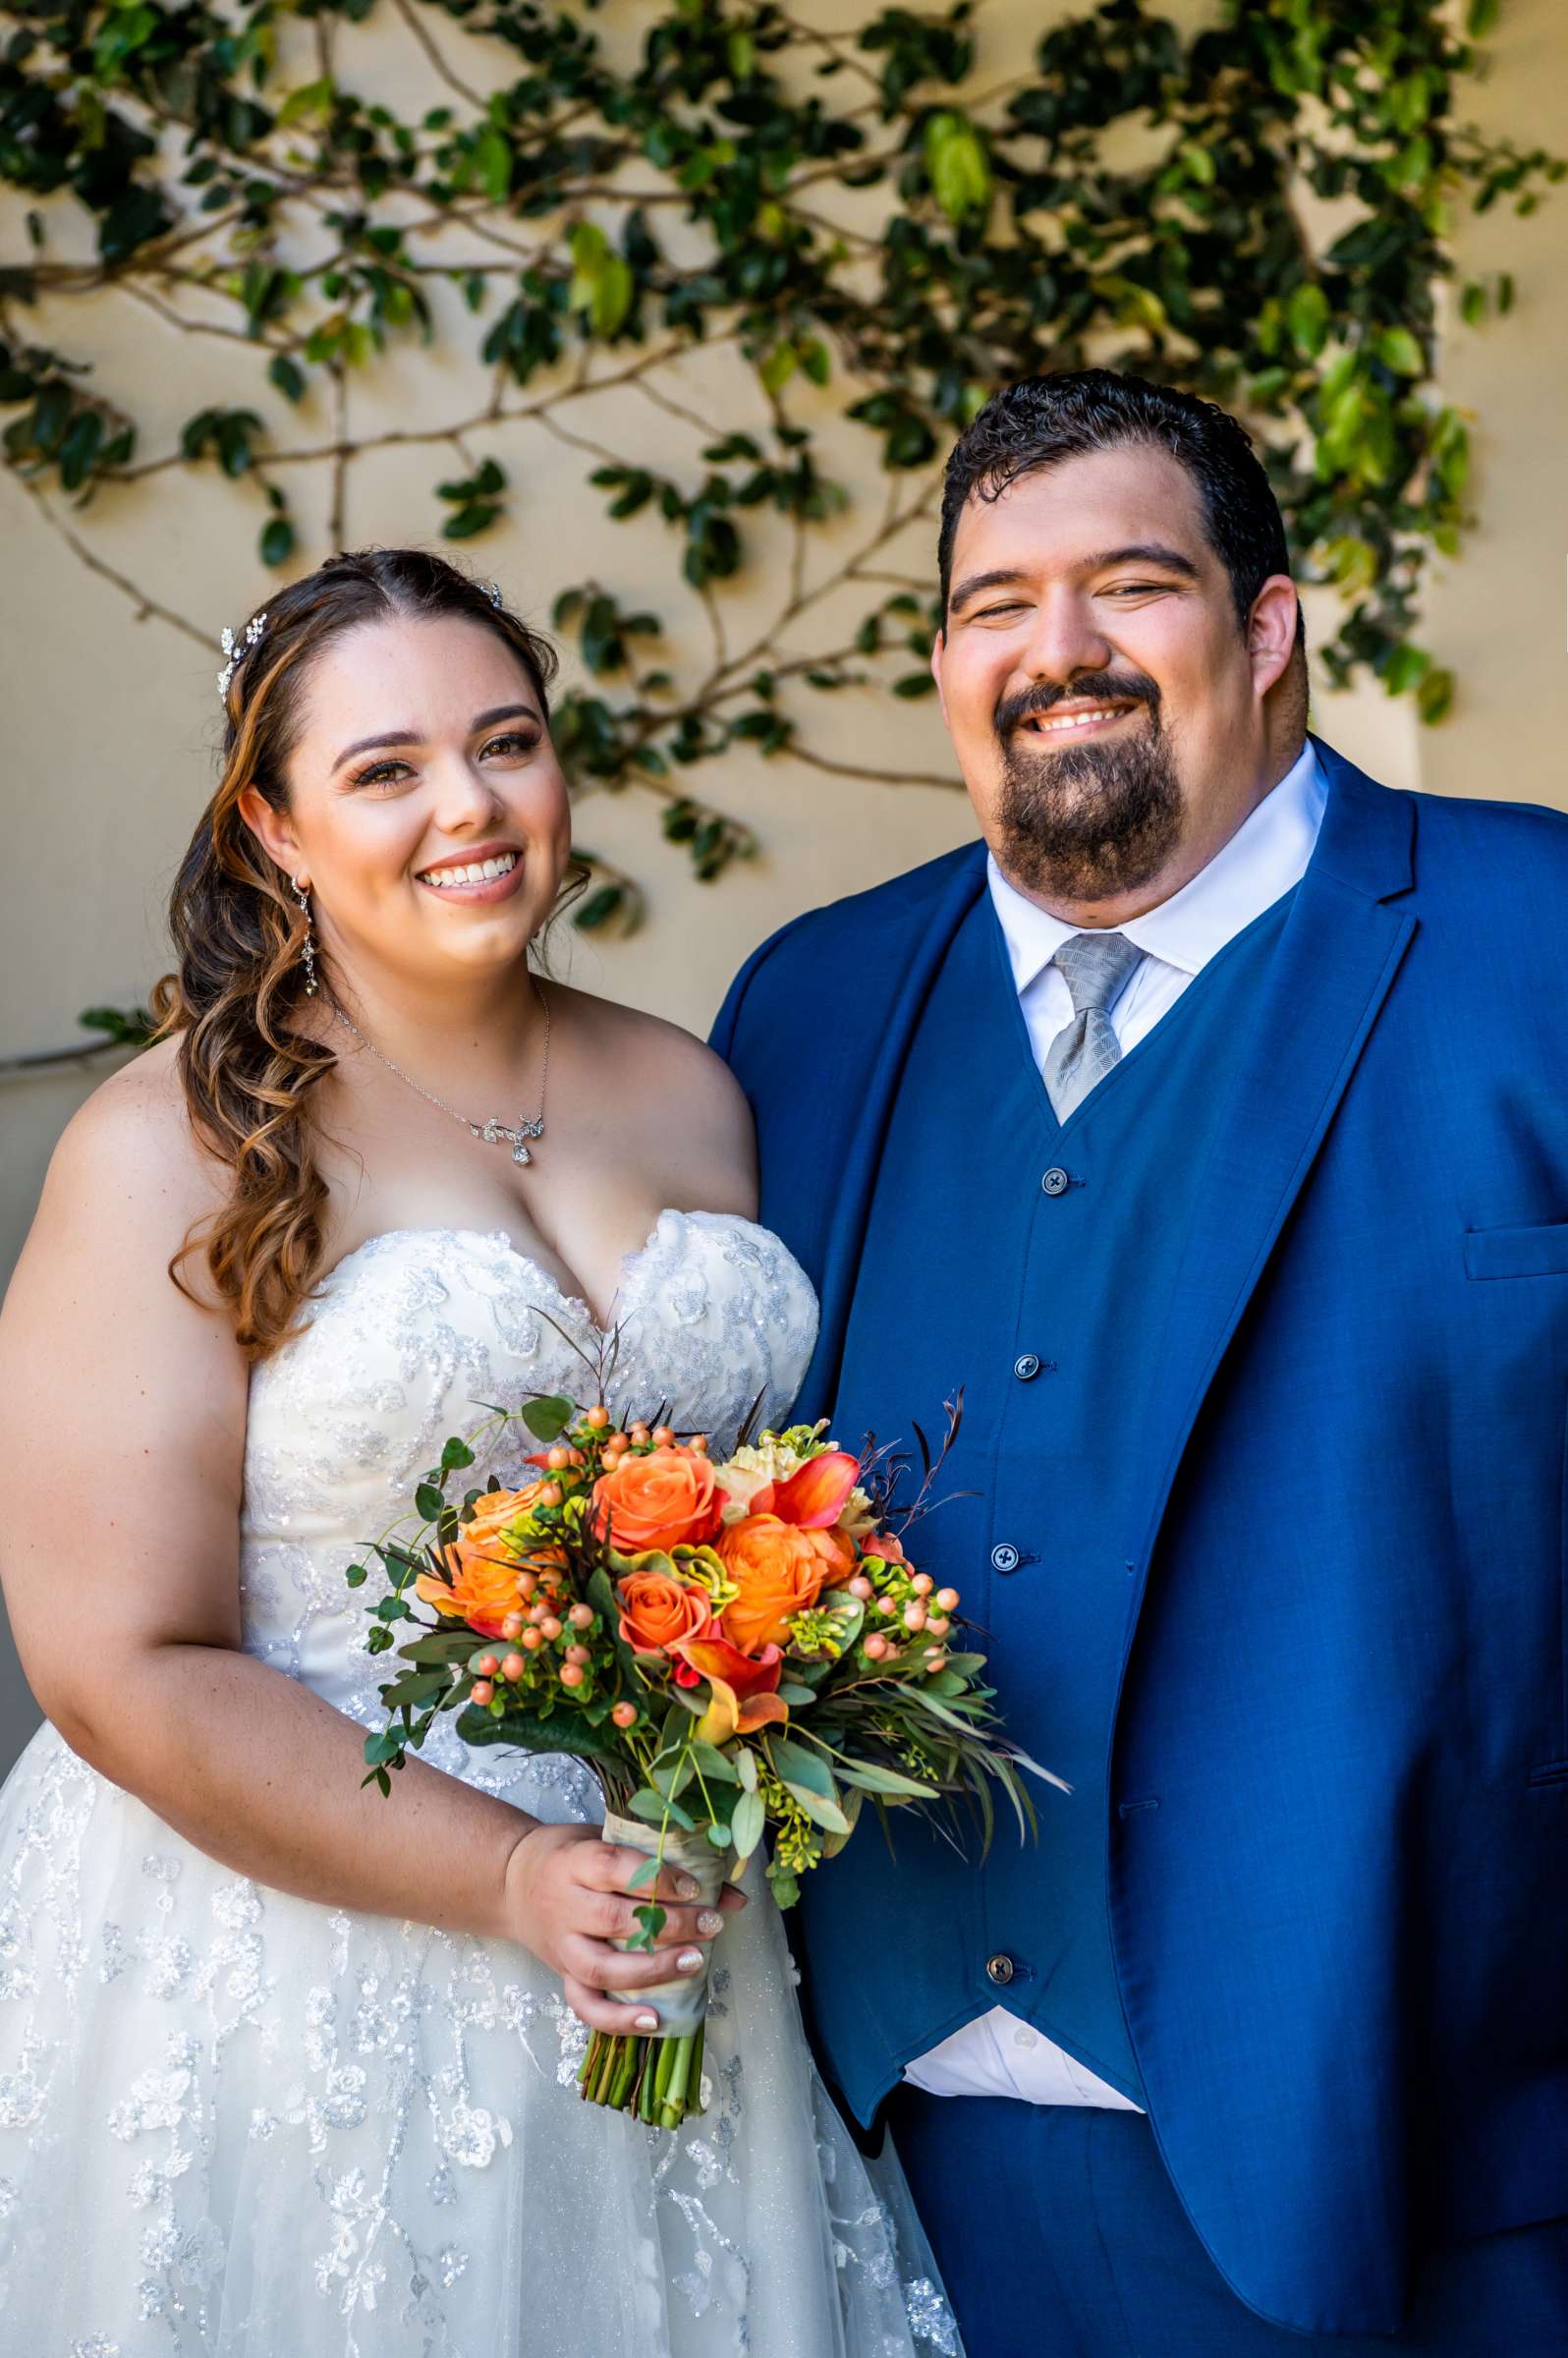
pixel 493 1131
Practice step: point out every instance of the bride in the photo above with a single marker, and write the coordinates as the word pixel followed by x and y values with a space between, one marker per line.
pixel 287 2069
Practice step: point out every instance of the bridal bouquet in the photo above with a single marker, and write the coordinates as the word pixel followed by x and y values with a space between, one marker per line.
pixel 736 1649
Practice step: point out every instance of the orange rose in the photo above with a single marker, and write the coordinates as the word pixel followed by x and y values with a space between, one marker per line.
pixel 665 1499
pixel 658 1613
pixel 778 1570
pixel 485 1564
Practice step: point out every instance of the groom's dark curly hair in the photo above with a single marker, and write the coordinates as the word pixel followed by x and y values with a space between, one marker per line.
pixel 1040 420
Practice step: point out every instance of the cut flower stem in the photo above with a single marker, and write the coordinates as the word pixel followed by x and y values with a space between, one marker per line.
pixel 660 2080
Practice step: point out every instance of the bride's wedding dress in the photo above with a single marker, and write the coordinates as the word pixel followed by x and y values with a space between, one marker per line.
pixel 247 2125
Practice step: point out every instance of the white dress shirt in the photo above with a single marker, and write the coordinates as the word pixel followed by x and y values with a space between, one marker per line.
pixel 998 2054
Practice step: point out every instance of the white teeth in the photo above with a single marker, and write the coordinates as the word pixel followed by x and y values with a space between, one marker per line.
pixel 1073 720
pixel 472 872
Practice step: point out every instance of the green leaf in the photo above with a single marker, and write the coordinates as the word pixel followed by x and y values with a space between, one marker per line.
pixel 655 1808
pixel 1405 666
pixel 287 376
pixel 711 1762
pixel 778 368
pixel 1307 316
pixel 747 1824
pixel 601 905
pixel 415 1687
pixel 601 285
pixel 277 541
pixel 825 1814
pixel 455 1454
pixel 428 1501
pixel 891 1782
pixel 958 165
pixel 1434 695
pixel 562 1730
pixel 548 1417
pixel 1399 350
pixel 356 1576
pixel 673 1778
pixel 798 1766
pixel 492 157
pixel 651 1919
pixel 311 99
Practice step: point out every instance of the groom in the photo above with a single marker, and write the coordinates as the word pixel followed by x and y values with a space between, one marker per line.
pixel 1208 1125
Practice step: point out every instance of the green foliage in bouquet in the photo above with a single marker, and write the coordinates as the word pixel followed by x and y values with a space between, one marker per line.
pixel 572 213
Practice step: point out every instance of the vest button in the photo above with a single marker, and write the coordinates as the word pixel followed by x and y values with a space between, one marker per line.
pixel 1005 1556
pixel 1026 1367
pixel 1057 1181
pixel 1001 1969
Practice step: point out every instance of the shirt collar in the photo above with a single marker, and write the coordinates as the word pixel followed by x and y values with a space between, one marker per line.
pixel 1267 855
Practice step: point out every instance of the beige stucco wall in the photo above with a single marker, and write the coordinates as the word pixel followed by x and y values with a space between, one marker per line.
pixel 109 723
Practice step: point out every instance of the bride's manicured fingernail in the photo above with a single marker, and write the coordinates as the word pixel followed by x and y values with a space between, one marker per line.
pixel 709 1922
pixel 689 1960
pixel 688 1886
pixel 646 2022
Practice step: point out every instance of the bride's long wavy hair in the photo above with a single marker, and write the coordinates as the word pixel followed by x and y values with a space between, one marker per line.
pixel 248 1067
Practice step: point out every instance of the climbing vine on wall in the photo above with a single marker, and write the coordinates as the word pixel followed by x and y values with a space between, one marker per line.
pixel 877 234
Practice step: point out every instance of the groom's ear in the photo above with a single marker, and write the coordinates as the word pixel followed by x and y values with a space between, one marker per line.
pixel 939 649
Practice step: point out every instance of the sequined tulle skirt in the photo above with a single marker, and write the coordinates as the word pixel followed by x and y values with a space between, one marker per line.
pixel 237 2123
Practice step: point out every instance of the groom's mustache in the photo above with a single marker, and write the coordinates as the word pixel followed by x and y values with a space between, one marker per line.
pixel 1107 687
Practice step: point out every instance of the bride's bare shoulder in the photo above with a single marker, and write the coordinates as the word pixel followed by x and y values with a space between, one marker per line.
pixel 127 1161
pixel 656 1069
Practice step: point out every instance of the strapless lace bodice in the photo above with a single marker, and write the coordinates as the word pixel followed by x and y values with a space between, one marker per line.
pixel 421 1332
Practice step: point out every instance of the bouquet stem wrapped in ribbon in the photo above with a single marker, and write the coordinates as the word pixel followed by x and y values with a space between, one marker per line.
pixel 658 2074
pixel 736 1649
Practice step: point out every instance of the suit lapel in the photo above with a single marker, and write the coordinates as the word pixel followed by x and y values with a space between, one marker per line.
pixel 1342 945
pixel 887 1012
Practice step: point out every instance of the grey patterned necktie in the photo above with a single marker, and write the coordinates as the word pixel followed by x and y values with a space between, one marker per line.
pixel 1095 967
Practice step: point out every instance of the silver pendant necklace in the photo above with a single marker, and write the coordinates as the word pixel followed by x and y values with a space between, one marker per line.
pixel 493 1131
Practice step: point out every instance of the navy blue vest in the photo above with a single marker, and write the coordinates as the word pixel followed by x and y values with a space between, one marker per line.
pixel 1044 1253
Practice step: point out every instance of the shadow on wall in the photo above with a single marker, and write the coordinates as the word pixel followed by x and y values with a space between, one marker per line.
pixel 19 1716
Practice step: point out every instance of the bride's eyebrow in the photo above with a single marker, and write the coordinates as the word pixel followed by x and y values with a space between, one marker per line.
pixel 366 745
pixel 482 720
pixel 488 720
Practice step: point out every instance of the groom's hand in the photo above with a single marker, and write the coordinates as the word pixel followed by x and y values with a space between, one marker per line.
pixel 569 1898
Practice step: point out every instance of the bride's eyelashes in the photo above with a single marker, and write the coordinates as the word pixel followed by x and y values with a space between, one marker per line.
pixel 394 773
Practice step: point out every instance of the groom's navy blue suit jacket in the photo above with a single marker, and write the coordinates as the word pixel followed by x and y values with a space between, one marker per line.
pixel 1341 1938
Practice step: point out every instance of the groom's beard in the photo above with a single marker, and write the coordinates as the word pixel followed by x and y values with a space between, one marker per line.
pixel 1090 821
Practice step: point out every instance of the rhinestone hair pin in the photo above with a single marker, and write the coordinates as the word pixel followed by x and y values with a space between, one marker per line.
pixel 493 591
pixel 236 649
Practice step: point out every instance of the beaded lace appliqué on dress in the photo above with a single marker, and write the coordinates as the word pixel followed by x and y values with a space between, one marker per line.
pixel 245 2125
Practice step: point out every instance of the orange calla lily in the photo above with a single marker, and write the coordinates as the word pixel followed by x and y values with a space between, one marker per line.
pixel 744 1697
pixel 814 1496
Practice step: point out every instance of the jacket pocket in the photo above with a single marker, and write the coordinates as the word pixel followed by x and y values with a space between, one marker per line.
pixel 1517 1251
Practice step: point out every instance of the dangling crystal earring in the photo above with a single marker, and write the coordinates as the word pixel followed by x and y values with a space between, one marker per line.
pixel 309 951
